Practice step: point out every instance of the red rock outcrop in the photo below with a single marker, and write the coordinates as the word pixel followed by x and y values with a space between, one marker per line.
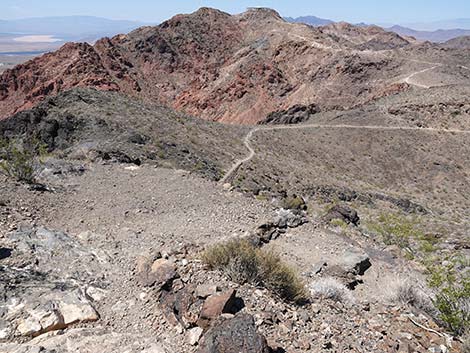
pixel 234 69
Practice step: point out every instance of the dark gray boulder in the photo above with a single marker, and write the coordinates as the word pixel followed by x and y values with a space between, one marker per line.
pixel 235 335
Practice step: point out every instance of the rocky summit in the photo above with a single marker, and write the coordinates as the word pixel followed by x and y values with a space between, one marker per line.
pixel 237 184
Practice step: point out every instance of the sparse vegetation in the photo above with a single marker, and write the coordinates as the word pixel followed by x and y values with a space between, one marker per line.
pixel 452 296
pixel 339 223
pixel 396 229
pixel 330 288
pixel 294 202
pixel 408 292
pixel 19 160
pixel 244 263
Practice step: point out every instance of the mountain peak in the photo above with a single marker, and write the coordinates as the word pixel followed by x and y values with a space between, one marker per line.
pixel 261 13
pixel 205 11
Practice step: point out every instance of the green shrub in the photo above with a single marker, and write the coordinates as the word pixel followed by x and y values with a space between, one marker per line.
pixel 20 160
pixel 396 230
pixel 244 263
pixel 294 202
pixel 452 297
pixel 339 223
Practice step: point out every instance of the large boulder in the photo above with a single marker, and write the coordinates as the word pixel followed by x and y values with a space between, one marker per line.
pixel 348 268
pixel 235 335
pixel 41 291
pixel 289 219
pixel 355 262
pixel 53 311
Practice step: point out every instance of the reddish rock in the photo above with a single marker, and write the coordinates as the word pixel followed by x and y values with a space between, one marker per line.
pixel 159 274
pixel 234 69
pixel 216 305
pixel 181 307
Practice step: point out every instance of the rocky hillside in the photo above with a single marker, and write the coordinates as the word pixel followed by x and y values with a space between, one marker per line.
pixel 87 124
pixel 235 69
pixel 462 42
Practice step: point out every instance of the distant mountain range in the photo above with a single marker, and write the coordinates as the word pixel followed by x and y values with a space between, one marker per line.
pixel 439 32
pixel 69 28
pixel 89 28
pixel 310 20
pixel 459 23
pixel 438 36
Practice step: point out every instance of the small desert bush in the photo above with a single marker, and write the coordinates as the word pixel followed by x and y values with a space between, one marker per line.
pixel 294 202
pixel 20 160
pixel 452 298
pixel 339 223
pixel 330 288
pixel 409 292
pixel 243 263
pixel 396 229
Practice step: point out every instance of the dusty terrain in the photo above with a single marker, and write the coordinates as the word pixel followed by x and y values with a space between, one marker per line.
pixel 175 213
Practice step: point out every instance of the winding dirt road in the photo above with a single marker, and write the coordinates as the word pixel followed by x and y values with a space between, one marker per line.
pixel 251 151
pixel 410 81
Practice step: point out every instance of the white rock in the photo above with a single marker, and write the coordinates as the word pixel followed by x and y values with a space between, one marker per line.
pixel 49 320
pixel 78 313
pixel 29 327
pixel 97 294
pixel 194 335
pixel 5 332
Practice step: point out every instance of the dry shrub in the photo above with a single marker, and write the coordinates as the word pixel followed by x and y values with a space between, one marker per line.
pixel 243 263
pixel 330 288
pixel 409 292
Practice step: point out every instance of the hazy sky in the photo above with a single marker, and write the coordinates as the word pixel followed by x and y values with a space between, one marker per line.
pixel 396 11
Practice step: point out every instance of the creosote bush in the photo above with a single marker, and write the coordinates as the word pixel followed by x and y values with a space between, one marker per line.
pixel 20 160
pixel 294 202
pixel 396 229
pixel 243 263
pixel 452 298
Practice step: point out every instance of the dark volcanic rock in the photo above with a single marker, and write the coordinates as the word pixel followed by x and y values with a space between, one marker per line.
pixel 236 335
pixel 343 213
pixel 181 307
pixel 159 273
pixel 294 115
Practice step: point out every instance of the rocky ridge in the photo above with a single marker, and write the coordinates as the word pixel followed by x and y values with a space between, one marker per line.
pixel 235 69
